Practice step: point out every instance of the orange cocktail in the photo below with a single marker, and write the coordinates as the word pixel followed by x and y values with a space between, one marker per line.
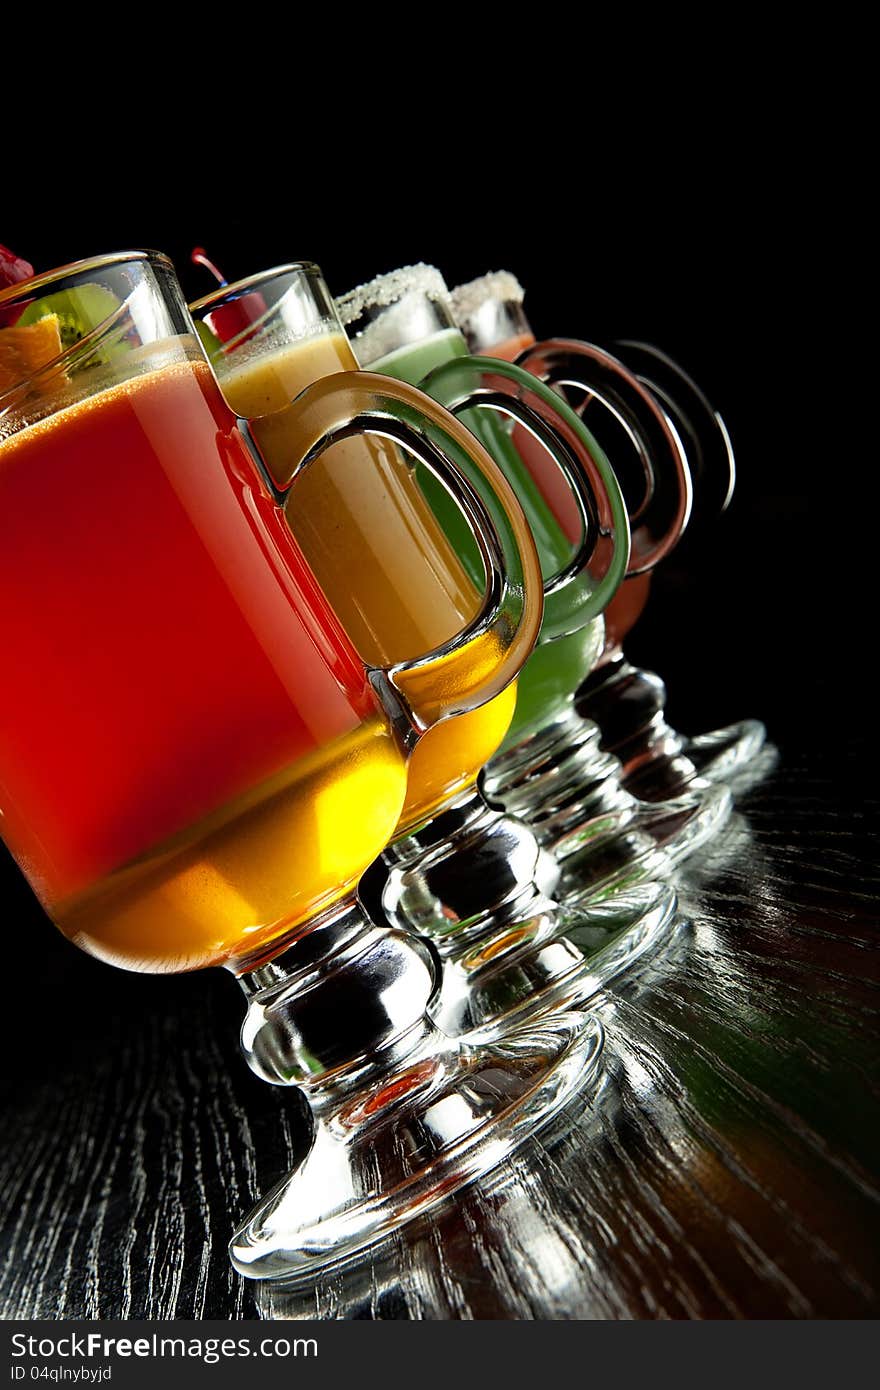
pixel 192 757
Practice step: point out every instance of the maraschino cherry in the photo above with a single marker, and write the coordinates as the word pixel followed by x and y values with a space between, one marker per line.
pixel 233 318
pixel 12 271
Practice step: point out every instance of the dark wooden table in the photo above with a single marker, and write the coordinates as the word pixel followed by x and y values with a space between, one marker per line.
pixel 726 1167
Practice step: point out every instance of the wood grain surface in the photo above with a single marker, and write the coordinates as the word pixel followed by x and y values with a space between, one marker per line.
pixel 725 1167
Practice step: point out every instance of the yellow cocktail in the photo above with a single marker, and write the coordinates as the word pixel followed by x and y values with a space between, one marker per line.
pixel 364 527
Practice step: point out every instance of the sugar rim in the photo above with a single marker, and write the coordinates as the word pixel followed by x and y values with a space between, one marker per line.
pixel 388 289
pixel 496 284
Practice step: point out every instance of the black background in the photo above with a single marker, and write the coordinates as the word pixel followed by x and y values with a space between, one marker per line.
pixel 723 260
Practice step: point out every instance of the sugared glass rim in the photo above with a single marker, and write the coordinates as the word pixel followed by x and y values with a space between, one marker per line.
pixel 501 285
pixel 251 282
pixel 384 290
pixel 25 288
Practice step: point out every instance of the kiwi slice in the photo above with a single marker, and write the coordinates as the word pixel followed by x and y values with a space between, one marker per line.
pixel 78 311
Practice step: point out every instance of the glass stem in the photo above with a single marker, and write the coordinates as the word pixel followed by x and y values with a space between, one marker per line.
pixel 470 869
pixel 339 1007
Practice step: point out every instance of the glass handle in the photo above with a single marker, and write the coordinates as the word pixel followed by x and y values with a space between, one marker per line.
pixel 657 518
pixel 488 653
pixel 488 383
pixel 708 444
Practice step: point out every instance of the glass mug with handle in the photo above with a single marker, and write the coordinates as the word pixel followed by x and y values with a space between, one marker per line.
pixel 222 765
pixel 478 881
pixel 733 753
pixel 551 772
pixel 649 458
pixel 570 799
pixel 625 702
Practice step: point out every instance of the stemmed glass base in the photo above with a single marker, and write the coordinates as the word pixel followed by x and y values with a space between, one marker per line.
pixel 480 887
pixel 402 1115
pixel 627 704
pixel 568 790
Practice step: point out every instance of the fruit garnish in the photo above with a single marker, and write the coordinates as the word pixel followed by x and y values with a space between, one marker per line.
pixel 12 271
pixel 34 331
pixel 25 348
pixel 210 342
pixel 78 311
pixel 229 320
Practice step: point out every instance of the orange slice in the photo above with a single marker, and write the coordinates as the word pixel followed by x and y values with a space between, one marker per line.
pixel 23 350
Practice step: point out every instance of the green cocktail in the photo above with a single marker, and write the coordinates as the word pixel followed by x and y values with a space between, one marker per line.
pixel 518 925
pixel 559 664
pixel 550 771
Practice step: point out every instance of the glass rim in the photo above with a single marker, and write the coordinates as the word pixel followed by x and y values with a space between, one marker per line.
pixel 496 286
pixel 251 282
pixel 390 288
pixel 26 288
